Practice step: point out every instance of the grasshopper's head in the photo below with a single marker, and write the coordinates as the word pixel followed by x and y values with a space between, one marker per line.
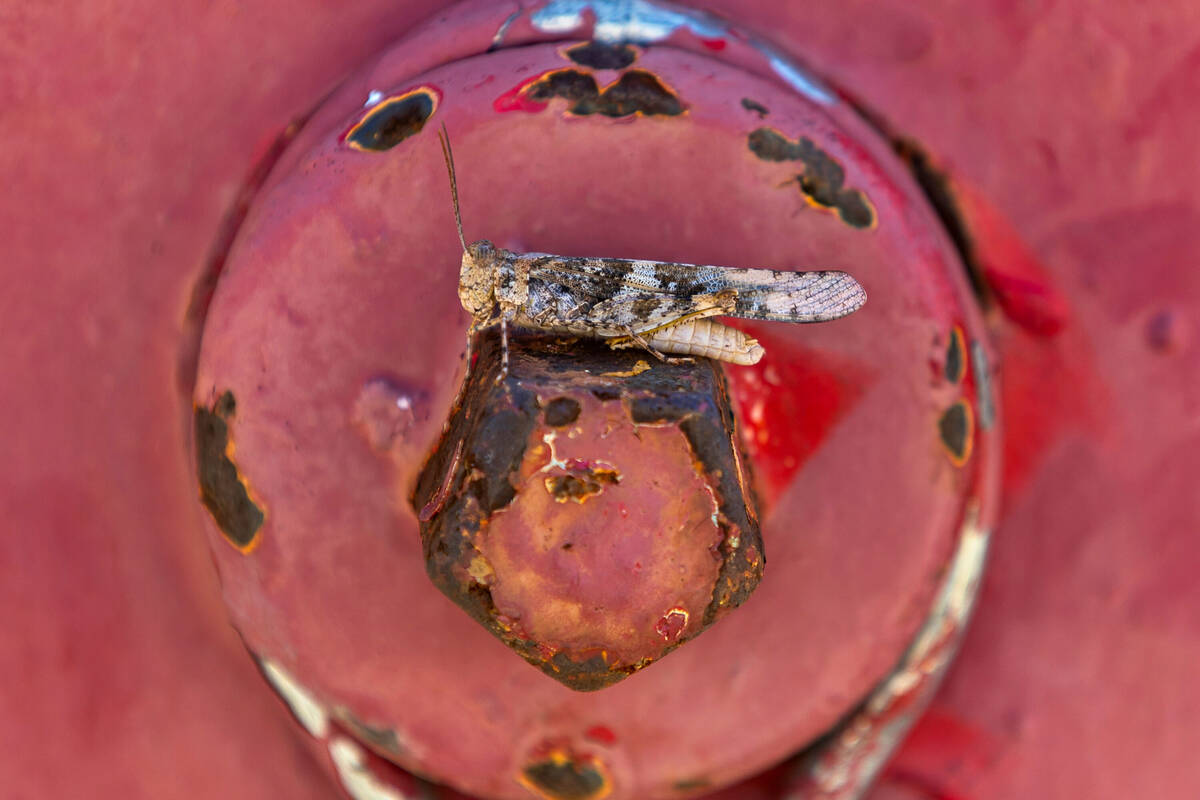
pixel 477 279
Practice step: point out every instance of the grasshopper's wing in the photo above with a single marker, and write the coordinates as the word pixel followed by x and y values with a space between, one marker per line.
pixel 649 294
pixel 794 296
pixel 644 312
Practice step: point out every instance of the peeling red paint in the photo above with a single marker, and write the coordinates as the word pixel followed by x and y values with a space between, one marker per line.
pixel 517 98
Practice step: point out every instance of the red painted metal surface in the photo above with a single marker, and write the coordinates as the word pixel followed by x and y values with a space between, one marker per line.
pixel 1077 677
pixel 347 240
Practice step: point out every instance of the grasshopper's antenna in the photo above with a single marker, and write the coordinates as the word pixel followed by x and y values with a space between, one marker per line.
pixel 448 154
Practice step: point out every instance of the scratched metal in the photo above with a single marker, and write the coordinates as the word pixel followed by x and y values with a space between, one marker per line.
pixel 644 22
pixel 848 762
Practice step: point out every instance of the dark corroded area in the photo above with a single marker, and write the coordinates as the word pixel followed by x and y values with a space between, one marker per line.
pixel 602 55
pixel 956 356
pixel 755 106
pixel 939 191
pixel 559 777
pixel 956 431
pixel 391 121
pixel 561 411
pixel 628 521
pixel 823 179
pixel 635 92
pixel 221 487
pixel 580 484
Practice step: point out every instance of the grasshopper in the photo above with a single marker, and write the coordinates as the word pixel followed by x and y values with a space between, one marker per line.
pixel 663 307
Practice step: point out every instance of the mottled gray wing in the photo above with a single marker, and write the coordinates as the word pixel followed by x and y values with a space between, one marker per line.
pixel 765 294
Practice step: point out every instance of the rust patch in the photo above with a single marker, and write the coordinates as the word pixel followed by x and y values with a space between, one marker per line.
pixel 581 483
pixel 635 93
pixel 601 55
pixel 474 471
pixel 638 368
pixel 956 431
pixel 565 776
pixel 561 411
pixel 392 120
pixel 823 180
pixel 956 356
pixel 222 488
pixel 755 106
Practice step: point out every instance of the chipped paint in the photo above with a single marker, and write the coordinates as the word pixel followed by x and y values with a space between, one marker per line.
pixel 644 22
pixel 373 98
pixel 671 625
pixel 755 107
pixel 822 181
pixel 389 121
pixel 600 55
pixel 635 92
pixel 580 483
pixel 955 366
pixel 956 432
pixel 224 491
pixel 360 783
pixel 851 758
pixel 562 775
pixel 984 391
pixel 307 710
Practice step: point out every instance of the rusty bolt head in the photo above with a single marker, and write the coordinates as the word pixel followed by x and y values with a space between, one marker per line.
pixel 590 508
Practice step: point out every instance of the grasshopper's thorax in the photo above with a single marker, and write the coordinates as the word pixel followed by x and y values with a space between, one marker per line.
pixel 512 281
pixel 477 278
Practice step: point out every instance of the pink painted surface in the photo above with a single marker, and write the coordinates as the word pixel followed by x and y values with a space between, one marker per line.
pixel 347 268
pixel 128 129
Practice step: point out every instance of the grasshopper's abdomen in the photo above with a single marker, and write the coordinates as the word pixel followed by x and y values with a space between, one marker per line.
pixel 706 338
